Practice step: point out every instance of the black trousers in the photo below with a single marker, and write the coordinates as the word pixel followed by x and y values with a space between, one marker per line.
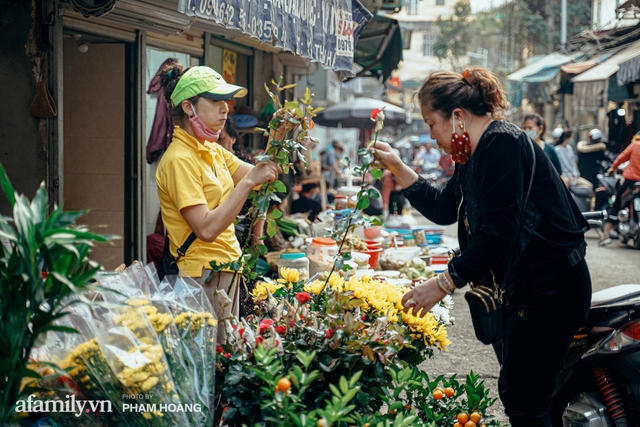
pixel 539 329
pixel 617 203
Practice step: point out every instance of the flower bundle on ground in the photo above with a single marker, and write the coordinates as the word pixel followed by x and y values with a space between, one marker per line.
pixel 150 355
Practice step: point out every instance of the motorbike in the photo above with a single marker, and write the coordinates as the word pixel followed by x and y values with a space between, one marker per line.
pixel 629 216
pixel 600 382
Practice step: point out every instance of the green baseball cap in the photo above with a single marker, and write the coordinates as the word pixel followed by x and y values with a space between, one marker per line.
pixel 207 83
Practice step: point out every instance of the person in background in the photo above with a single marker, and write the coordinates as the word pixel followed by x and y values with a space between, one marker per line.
pixel 307 202
pixel 201 186
pixel 555 135
pixel 631 175
pixel 331 163
pixel 569 162
pixel 393 200
pixel 590 154
pixel 228 140
pixel 533 249
pixel 429 154
pixel 534 127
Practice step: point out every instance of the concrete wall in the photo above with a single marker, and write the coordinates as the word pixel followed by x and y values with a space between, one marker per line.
pixel 22 149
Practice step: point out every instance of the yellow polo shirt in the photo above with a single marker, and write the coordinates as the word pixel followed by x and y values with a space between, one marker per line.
pixel 189 174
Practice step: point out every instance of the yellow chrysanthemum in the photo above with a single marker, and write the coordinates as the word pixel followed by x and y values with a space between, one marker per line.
pixel 291 275
pixel 260 291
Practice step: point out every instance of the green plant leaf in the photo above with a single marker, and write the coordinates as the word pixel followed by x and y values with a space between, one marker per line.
pixel 275 214
pixel 271 228
pixel 7 188
pixel 279 186
pixel 363 203
pixel 376 173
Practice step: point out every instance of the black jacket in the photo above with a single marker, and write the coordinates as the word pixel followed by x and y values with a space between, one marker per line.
pixel 588 157
pixel 486 197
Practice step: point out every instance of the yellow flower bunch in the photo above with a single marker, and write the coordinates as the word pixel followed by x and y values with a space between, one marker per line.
pixel 75 363
pixel 289 275
pixel 130 319
pixel 137 302
pixel 260 291
pixel 426 328
pixel 145 376
pixel 386 300
pixel 336 282
pixel 194 320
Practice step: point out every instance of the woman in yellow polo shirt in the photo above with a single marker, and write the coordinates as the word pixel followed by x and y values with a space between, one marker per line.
pixel 202 187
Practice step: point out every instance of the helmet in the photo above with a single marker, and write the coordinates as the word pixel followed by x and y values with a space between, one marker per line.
pixel 557 132
pixel 595 134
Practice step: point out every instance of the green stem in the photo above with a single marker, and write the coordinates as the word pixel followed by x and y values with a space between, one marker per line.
pixel 346 232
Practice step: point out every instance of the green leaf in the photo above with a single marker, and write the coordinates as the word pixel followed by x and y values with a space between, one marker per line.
pixel 376 173
pixel 363 203
pixel 373 193
pixel 290 105
pixel 274 214
pixel 7 188
pixel 279 186
pixel 271 228
pixel 344 387
pixel 264 158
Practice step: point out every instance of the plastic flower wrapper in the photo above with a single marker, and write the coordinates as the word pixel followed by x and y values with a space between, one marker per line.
pixel 197 327
pixel 136 289
pixel 134 354
pixel 85 374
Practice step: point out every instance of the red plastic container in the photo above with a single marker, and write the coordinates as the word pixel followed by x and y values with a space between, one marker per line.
pixel 373 259
pixel 373 245
pixel 440 259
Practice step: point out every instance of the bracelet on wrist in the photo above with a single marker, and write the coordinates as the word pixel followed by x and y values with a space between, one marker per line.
pixel 445 284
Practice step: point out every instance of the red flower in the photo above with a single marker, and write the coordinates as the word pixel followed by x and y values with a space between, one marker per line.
pixel 259 341
pixel 328 334
pixel 241 332
pixel 227 355
pixel 219 349
pixel 374 113
pixel 265 324
pixel 291 324
pixel 303 297
pixel 281 329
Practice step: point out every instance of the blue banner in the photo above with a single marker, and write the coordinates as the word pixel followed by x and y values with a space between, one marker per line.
pixel 324 31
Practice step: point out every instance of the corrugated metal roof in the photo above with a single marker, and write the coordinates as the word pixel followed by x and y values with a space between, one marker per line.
pixel 611 66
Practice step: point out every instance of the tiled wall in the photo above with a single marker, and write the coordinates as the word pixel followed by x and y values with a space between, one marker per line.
pixel 94 100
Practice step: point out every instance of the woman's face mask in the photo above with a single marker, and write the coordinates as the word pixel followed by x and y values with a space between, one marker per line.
pixel 201 130
pixel 532 133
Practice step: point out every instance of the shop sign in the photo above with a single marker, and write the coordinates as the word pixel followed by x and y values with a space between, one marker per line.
pixel 324 31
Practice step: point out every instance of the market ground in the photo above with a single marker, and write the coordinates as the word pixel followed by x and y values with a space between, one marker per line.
pixel 609 266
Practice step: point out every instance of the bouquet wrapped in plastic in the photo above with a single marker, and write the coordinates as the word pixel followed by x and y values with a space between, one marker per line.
pixel 143 356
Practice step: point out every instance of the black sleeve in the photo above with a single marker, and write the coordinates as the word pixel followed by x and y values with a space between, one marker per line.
pixel 499 174
pixel 436 205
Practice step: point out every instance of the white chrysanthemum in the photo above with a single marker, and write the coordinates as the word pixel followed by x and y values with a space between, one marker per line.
pixel 447 302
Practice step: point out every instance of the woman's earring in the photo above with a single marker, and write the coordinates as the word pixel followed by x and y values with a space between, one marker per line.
pixel 460 144
pixel 461 125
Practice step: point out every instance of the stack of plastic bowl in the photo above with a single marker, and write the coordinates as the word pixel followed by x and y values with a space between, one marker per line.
pixel 374 248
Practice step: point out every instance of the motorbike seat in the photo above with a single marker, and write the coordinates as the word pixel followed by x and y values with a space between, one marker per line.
pixel 615 294
pixel 581 190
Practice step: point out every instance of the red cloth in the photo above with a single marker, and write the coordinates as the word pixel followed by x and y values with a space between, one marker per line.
pixel 155 247
pixel 631 153
pixel 162 129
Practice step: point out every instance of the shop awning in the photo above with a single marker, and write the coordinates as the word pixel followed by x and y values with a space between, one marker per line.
pixel 324 31
pixel 629 71
pixel 591 88
pixel 379 48
pixel 542 70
